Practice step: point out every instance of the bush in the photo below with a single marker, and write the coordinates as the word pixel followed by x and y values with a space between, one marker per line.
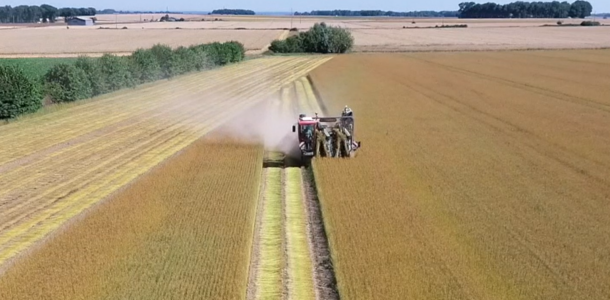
pixel 319 39
pixel 590 23
pixel 164 55
pixel 202 59
pixel 116 71
pixel 67 83
pixel 238 51
pixel 19 94
pixel 293 44
pixel 92 69
pixel 183 61
pixel 218 54
pixel 146 67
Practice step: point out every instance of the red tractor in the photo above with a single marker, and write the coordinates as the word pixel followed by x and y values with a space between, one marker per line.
pixel 327 136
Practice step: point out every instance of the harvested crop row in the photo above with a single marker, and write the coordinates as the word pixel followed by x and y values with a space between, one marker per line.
pixel 484 175
pixel 182 231
pixel 84 153
pixel 283 264
pixel 300 268
pixel 270 265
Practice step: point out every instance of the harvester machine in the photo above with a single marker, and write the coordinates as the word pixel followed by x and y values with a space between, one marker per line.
pixel 327 136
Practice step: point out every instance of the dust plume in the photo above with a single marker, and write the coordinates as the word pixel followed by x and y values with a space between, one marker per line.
pixel 267 124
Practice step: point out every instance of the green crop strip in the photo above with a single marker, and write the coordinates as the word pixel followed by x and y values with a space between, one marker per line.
pixel 300 268
pixel 269 278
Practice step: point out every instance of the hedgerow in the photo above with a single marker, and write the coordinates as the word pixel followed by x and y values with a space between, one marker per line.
pixel 20 94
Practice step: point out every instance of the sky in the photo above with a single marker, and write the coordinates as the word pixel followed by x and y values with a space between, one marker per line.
pixel 275 5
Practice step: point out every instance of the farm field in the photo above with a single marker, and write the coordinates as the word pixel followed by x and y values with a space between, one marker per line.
pixel 28 41
pixel 482 175
pixel 482 38
pixel 304 22
pixel 35 67
pixel 86 152
pixel 257 32
pixel 182 231
pixel 152 232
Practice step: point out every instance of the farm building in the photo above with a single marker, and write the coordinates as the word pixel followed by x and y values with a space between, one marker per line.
pixel 80 21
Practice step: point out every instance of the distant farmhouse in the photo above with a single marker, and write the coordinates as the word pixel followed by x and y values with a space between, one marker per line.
pixel 80 21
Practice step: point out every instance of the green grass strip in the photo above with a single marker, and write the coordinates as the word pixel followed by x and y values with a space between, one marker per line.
pixel 269 277
pixel 300 267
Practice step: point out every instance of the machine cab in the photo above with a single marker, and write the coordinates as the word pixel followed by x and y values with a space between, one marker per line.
pixel 306 129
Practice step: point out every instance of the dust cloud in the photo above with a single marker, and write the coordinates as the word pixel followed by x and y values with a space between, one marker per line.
pixel 267 124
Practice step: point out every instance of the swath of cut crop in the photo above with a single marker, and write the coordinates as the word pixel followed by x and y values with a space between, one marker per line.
pixel 300 269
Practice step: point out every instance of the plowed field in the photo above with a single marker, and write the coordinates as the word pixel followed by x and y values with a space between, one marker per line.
pixel 56 165
pixel 482 175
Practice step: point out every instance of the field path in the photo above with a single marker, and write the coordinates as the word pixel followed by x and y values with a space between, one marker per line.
pixel 58 164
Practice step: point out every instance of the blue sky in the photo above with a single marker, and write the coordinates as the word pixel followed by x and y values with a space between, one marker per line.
pixel 274 5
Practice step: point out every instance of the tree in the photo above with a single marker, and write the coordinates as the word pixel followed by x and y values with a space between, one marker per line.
pixel 580 9
pixel 19 94
pixel 92 69
pixel 146 65
pixel 116 71
pixel 319 39
pixel 49 13
pixel 67 83
pixel 164 54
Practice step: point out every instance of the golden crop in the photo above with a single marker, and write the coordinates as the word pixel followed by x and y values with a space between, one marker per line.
pixel 482 175
pixel 181 231
pixel 56 165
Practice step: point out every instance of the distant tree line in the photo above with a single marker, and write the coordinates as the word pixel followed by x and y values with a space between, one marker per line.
pixel 520 9
pixel 45 13
pixel 232 12
pixel 108 11
pixel 379 13
pixel 74 12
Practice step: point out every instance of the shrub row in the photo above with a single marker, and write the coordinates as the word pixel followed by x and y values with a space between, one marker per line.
pixel 318 39
pixel 590 23
pixel 88 77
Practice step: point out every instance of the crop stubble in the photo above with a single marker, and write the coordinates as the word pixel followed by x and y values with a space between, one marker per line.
pixel 484 175
pixel 82 154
